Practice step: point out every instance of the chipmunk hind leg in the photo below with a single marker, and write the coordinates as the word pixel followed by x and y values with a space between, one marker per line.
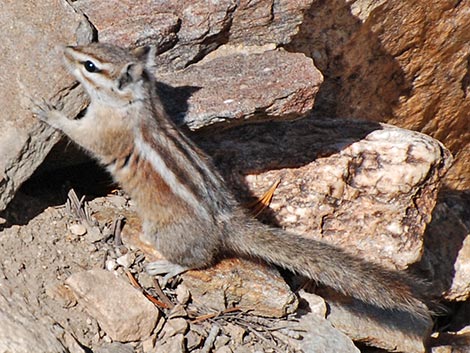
pixel 184 248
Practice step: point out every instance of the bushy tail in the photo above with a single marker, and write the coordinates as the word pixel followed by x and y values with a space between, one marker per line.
pixel 331 266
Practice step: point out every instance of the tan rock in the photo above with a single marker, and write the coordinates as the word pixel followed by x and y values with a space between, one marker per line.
pixel 224 349
pixel 267 21
pixel 175 327
pixel 174 344
pixel 460 288
pixel 243 284
pixel 185 31
pixel 77 229
pixel 320 336
pixel 21 331
pixel 132 23
pixel 121 310
pixel 233 88
pixel 402 62
pixel 390 330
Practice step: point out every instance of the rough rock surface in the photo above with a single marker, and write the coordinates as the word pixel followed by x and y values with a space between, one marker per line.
pixel 392 331
pixel 247 285
pixel 186 31
pixel 366 187
pixel 36 258
pixel 34 71
pixel 230 88
pixel 22 332
pixel 322 337
pixel 401 62
pixel 113 303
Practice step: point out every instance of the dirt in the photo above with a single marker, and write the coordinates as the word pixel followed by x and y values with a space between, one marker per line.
pixel 39 253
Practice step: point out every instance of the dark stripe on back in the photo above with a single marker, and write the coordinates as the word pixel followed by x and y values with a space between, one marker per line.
pixel 206 173
pixel 212 187
pixel 182 174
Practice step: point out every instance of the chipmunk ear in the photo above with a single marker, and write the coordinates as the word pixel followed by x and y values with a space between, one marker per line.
pixel 131 73
pixel 146 54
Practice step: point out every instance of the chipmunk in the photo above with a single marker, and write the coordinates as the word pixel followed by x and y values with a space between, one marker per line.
pixel 187 211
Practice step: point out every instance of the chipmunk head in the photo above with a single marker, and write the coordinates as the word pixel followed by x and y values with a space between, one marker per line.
pixel 109 73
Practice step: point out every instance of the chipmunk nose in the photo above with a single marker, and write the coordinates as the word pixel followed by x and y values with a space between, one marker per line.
pixel 68 48
pixel 68 52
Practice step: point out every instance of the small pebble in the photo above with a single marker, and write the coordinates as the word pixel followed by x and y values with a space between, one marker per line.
pixel 193 340
pixel 94 235
pixel 77 229
pixel 221 341
pixel 111 264
pixel 182 294
pixel 178 311
pixel 175 326
pixel 126 260
pixel 236 332
pixel 224 349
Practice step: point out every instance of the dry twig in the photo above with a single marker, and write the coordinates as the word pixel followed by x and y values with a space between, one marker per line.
pixel 261 328
pixel 209 342
pixel 214 315
pixel 116 229
pixel 162 295
pixel 136 284
pixel 79 208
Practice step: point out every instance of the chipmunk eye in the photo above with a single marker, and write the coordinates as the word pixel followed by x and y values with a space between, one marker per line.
pixel 90 66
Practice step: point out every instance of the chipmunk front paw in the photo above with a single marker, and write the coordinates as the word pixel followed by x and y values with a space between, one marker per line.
pixel 48 113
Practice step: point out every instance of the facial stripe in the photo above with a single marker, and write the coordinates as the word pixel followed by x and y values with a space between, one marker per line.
pixel 73 54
